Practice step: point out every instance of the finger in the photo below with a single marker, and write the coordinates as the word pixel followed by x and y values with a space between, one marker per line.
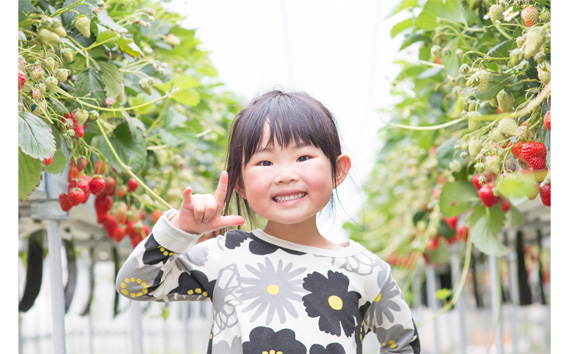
pixel 198 207
pixel 187 198
pixel 210 206
pixel 232 220
pixel 221 190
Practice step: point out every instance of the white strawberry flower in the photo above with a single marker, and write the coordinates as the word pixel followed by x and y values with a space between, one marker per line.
pixel 509 14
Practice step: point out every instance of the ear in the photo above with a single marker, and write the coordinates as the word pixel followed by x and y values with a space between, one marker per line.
pixel 343 164
pixel 239 188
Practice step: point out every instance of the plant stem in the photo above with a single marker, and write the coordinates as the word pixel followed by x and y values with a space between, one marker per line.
pixel 127 168
pixel 432 127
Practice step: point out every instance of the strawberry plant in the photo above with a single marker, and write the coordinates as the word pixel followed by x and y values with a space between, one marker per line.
pixel 120 99
pixel 469 136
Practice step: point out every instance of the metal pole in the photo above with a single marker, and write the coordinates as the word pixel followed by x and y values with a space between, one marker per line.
pixel 514 292
pixel 455 269
pixel 56 285
pixel 136 327
pixel 185 328
pixel 89 333
pixel 432 301
pixel 496 299
pixel 166 337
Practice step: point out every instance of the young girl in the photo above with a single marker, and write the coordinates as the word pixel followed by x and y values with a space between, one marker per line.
pixel 283 289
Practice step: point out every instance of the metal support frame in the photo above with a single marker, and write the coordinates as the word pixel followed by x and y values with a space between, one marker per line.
pixel 514 293
pixel 459 304
pixel 185 327
pixel 432 301
pixel 136 327
pixel 496 297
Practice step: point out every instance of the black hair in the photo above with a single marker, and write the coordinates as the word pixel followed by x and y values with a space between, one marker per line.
pixel 293 117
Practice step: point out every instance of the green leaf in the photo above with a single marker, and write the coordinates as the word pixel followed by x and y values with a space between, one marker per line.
pixel 516 185
pixel 173 119
pixel 106 35
pixel 457 197
pixel 168 138
pixel 443 294
pixel 188 96
pixel 445 230
pixel 496 84
pixel 401 26
pixel 445 153
pixel 29 174
pixel 414 39
pixel 57 166
pixel 434 9
pixel 106 20
pixel 34 136
pixel 501 50
pixel 440 255
pixel 128 46
pixel 514 217
pixel 130 146
pixel 112 78
pixel 403 4
pixel 497 218
pixel 481 225
pixel 179 82
pixel 90 84
pixel 140 99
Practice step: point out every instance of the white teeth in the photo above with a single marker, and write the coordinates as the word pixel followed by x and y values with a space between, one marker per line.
pixel 289 197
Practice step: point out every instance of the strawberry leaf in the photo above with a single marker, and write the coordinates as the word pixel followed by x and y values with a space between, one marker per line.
pixel 483 228
pixel 34 136
pixel 90 84
pixel 401 26
pixel 457 197
pixel 29 174
pixel 514 217
pixel 129 144
pixel 112 78
pixel 58 164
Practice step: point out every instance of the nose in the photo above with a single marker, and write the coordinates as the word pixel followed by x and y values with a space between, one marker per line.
pixel 286 174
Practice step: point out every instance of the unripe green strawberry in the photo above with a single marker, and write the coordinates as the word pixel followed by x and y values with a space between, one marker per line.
pixel 436 50
pixel 464 69
pixel 540 57
pixel 81 116
pixel 67 54
pixel 172 40
pixel 46 21
pixel 505 101
pixel 515 57
pixel 530 16
pixel 536 37
pixel 83 25
pixel 520 41
pixel 146 85
pixel 41 107
pixel 60 31
pixel 41 86
pixel 544 15
pixel 508 126
pixel 51 83
pixel 496 13
pixel 483 80
pixel 496 136
pixel 94 115
pixel 473 122
pixel 48 37
pixel 62 74
pixel 51 65
pixel 37 73
pixel 493 102
pixel 493 163
pixel 36 94
pixel 455 166
pixel 474 147
pixel 522 132
pixel 55 22
pixel 544 72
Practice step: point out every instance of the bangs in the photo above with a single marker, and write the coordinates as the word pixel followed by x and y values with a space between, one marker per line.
pixel 290 120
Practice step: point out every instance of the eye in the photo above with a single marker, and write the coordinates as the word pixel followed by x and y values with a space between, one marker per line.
pixel 303 158
pixel 264 163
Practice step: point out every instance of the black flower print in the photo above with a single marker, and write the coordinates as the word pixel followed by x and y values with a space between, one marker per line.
pixel 261 247
pixel 333 348
pixel 155 253
pixel 234 238
pixel 361 331
pixel 330 300
pixel 194 283
pixel 263 340
pixel 384 303
pixel 272 289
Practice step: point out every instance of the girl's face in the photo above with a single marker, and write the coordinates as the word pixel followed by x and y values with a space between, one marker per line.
pixel 291 184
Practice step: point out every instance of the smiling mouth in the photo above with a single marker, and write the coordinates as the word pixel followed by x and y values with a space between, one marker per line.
pixel 286 198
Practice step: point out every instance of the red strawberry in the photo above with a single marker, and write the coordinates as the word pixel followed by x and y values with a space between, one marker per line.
pixel 462 232
pixel 64 202
pixel 120 233
pixel 145 229
pixel 120 212
pixel 121 191
pixel 75 196
pixel 437 60
pixel 79 130
pixel 487 196
pixel 451 221
pixel 132 185
pixel 130 229
pixel 21 79
pixel 103 205
pixel 535 153
pixel 545 193
pixel 134 241
pixel 81 163
pixel 97 185
pixel 547 120
pixel 156 214
pixel 478 181
pixel 437 193
pixel 530 16
pixel 109 186
pixel 99 167
pixel 505 205
pixel 110 225
pixel 48 161
pixel 517 150
pixel 71 116
pixel 72 174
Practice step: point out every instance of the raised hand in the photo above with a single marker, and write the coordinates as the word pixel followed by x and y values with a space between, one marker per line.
pixel 201 213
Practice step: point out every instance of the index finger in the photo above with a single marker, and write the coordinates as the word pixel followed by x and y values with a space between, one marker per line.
pixel 221 190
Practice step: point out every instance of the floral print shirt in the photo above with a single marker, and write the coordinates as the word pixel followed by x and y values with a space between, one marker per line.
pixel 271 296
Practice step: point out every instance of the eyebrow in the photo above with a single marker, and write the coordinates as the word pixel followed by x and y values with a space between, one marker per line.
pixel 269 147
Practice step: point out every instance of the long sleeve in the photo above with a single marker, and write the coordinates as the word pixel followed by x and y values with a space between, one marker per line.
pixel 168 265
pixel 390 318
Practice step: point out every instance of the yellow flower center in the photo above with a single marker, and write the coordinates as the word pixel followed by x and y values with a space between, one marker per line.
pixel 273 289
pixel 335 302
pixel 377 298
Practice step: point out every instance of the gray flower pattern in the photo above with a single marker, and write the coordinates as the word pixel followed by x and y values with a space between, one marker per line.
pixel 386 302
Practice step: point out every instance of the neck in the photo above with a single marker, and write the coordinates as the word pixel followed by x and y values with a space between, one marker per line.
pixel 305 233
